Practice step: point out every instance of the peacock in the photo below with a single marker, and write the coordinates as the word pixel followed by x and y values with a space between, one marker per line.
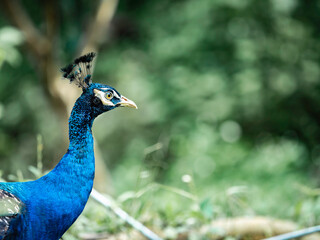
pixel 45 208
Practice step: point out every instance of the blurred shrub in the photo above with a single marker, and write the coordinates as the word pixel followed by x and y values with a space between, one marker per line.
pixel 10 38
pixel 227 91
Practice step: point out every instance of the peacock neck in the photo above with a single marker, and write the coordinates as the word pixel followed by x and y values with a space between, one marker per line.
pixel 80 155
pixel 80 124
pixel 67 187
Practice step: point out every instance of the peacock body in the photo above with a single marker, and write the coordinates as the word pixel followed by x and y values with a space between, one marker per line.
pixel 47 207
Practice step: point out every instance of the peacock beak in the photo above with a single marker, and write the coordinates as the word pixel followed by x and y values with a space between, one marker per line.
pixel 125 102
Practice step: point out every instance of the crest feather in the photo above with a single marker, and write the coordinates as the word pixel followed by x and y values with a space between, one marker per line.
pixel 80 71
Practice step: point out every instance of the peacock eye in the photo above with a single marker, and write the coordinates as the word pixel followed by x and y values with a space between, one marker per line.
pixel 109 95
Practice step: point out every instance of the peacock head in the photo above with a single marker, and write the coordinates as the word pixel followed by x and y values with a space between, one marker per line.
pixel 104 98
pixel 100 97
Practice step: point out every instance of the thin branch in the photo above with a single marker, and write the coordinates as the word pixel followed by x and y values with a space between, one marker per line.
pixel 97 30
pixel 36 41
pixel 296 234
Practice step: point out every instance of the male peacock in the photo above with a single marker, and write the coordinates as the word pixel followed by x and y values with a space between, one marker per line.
pixel 47 207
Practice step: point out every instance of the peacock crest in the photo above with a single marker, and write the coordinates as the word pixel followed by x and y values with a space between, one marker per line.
pixel 80 71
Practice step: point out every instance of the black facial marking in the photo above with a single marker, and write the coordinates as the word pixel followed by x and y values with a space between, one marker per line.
pixel 96 101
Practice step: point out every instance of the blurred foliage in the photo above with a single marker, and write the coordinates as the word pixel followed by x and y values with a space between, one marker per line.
pixel 228 95
pixel 10 38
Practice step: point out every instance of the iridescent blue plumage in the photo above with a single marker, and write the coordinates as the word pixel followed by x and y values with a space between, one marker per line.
pixel 49 205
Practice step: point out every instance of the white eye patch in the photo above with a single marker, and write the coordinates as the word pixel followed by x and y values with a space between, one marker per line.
pixel 101 95
pixel 114 92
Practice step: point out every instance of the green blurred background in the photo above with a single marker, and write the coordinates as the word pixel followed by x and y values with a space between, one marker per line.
pixel 228 97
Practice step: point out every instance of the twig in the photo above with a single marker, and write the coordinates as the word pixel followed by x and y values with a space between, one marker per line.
pixel 296 234
pixel 108 203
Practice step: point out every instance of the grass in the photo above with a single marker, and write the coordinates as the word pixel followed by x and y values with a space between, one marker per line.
pixel 264 180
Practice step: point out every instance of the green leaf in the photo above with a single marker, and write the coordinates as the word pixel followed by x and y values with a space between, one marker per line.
pixel 206 208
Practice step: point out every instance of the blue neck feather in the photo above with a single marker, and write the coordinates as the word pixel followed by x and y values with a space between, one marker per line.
pixel 80 134
pixel 60 196
pixel 80 155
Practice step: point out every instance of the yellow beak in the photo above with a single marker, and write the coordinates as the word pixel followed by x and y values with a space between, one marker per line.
pixel 125 102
